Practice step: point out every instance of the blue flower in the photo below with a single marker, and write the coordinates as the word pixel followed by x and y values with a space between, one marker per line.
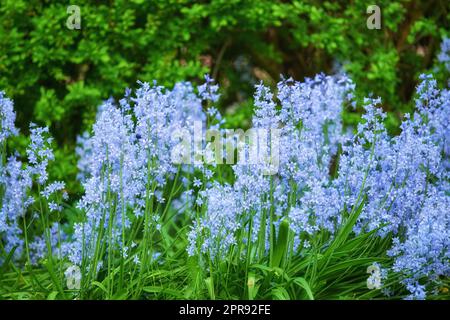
pixel 444 55
pixel 7 118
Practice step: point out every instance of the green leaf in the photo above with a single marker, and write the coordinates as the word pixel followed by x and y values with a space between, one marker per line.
pixel 251 286
pixel 154 289
pixel 210 285
pixel 280 293
pixel 52 295
pixel 281 244
pixel 7 260
pixel 305 285
pixel 100 285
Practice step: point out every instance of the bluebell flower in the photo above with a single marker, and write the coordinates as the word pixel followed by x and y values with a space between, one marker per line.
pixel 39 153
pixel 38 246
pixel 444 55
pixel 197 183
pixel 16 183
pixel 7 118
pixel 208 91
pixel 52 188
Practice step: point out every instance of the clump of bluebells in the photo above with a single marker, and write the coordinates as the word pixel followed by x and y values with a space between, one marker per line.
pixel 399 185
pixel 295 201
pixel 126 166
pixel 28 199
pixel 310 124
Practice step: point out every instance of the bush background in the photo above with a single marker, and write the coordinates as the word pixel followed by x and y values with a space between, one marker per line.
pixel 58 77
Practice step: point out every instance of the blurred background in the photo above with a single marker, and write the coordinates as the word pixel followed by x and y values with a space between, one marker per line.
pixel 58 77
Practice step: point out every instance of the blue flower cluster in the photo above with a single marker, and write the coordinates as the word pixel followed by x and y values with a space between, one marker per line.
pixel 126 163
pixel 401 182
pixel 17 181
pixel 399 186
pixel 8 116
pixel 311 130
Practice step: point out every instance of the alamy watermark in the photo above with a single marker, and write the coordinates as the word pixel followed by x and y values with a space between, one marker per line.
pixel 374 20
pixel 74 20
pixel 255 146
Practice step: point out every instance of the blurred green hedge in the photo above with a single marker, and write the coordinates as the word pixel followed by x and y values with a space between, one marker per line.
pixel 58 76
